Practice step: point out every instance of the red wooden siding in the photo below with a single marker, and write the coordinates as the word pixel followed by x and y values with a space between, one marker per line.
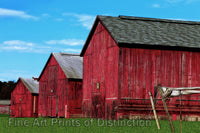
pixel 22 102
pixel 56 91
pixel 142 69
pixel 126 75
pixel 100 66
pixel 74 97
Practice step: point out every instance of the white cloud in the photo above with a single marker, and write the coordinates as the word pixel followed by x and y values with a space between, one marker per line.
pixel 70 42
pixel 47 47
pixel 156 5
pixel 167 3
pixel 45 15
pixel 190 1
pixel 18 42
pixel 183 1
pixel 85 20
pixel 14 48
pixel 21 46
pixel 59 19
pixel 15 13
pixel 175 1
pixel 73 50
pixel 17 45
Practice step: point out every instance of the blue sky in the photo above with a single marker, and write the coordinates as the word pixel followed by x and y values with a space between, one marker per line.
pixel 31 29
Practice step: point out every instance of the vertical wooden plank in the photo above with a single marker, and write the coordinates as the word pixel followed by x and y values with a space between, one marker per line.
pixel 153 69
pixel 135 74
pixel 141 67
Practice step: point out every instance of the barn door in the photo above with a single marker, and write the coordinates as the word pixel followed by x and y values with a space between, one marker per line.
pixel 35 106
pixel 98 105
pixel 98 101
pixel 52 106
pixel 20 110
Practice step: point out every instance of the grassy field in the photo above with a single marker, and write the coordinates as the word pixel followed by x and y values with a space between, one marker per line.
pixel 52 125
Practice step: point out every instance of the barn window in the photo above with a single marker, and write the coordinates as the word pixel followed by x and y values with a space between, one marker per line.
pixel 97 86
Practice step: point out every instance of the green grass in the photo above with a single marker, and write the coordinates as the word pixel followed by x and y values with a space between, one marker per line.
pixel 45 125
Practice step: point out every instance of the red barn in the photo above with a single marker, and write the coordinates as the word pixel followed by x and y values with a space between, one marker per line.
pixel 24 98
pixel 60 86
pixel 125 57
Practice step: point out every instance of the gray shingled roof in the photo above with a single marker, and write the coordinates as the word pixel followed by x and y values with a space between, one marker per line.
pixel 71 64
pixel 31 84
pixel 4 102
pixel 135 30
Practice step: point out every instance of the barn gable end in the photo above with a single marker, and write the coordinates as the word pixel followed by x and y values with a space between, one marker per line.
pixel 24 98
pixel 100 74
pixel 61 76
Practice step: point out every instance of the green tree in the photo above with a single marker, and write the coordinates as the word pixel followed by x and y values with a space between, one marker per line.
pixel 6 88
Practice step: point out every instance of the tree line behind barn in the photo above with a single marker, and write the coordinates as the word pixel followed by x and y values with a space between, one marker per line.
pixel 122 60
pixel 5 90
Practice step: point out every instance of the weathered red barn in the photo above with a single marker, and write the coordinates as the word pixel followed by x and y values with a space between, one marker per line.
pixel 24 98
pixel 60 86
pixel 4 106
pixel 125 57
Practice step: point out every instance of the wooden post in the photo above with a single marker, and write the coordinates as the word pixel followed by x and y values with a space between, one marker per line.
pixel 166 109
pixel 66 112
pixel 154 110
pixel 180 112
pixel 34 105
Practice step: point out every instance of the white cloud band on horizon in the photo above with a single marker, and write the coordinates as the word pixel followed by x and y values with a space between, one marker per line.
pixel 15 13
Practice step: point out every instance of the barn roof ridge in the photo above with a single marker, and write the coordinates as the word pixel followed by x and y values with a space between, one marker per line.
pixel 178 21
pixel 69 54
pixel 31 84
pixel 129 31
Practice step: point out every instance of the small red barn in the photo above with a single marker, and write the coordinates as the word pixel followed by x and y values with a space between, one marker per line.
pixel 60 86
pixel 4 106
pixel 125 57
pixel 24 98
